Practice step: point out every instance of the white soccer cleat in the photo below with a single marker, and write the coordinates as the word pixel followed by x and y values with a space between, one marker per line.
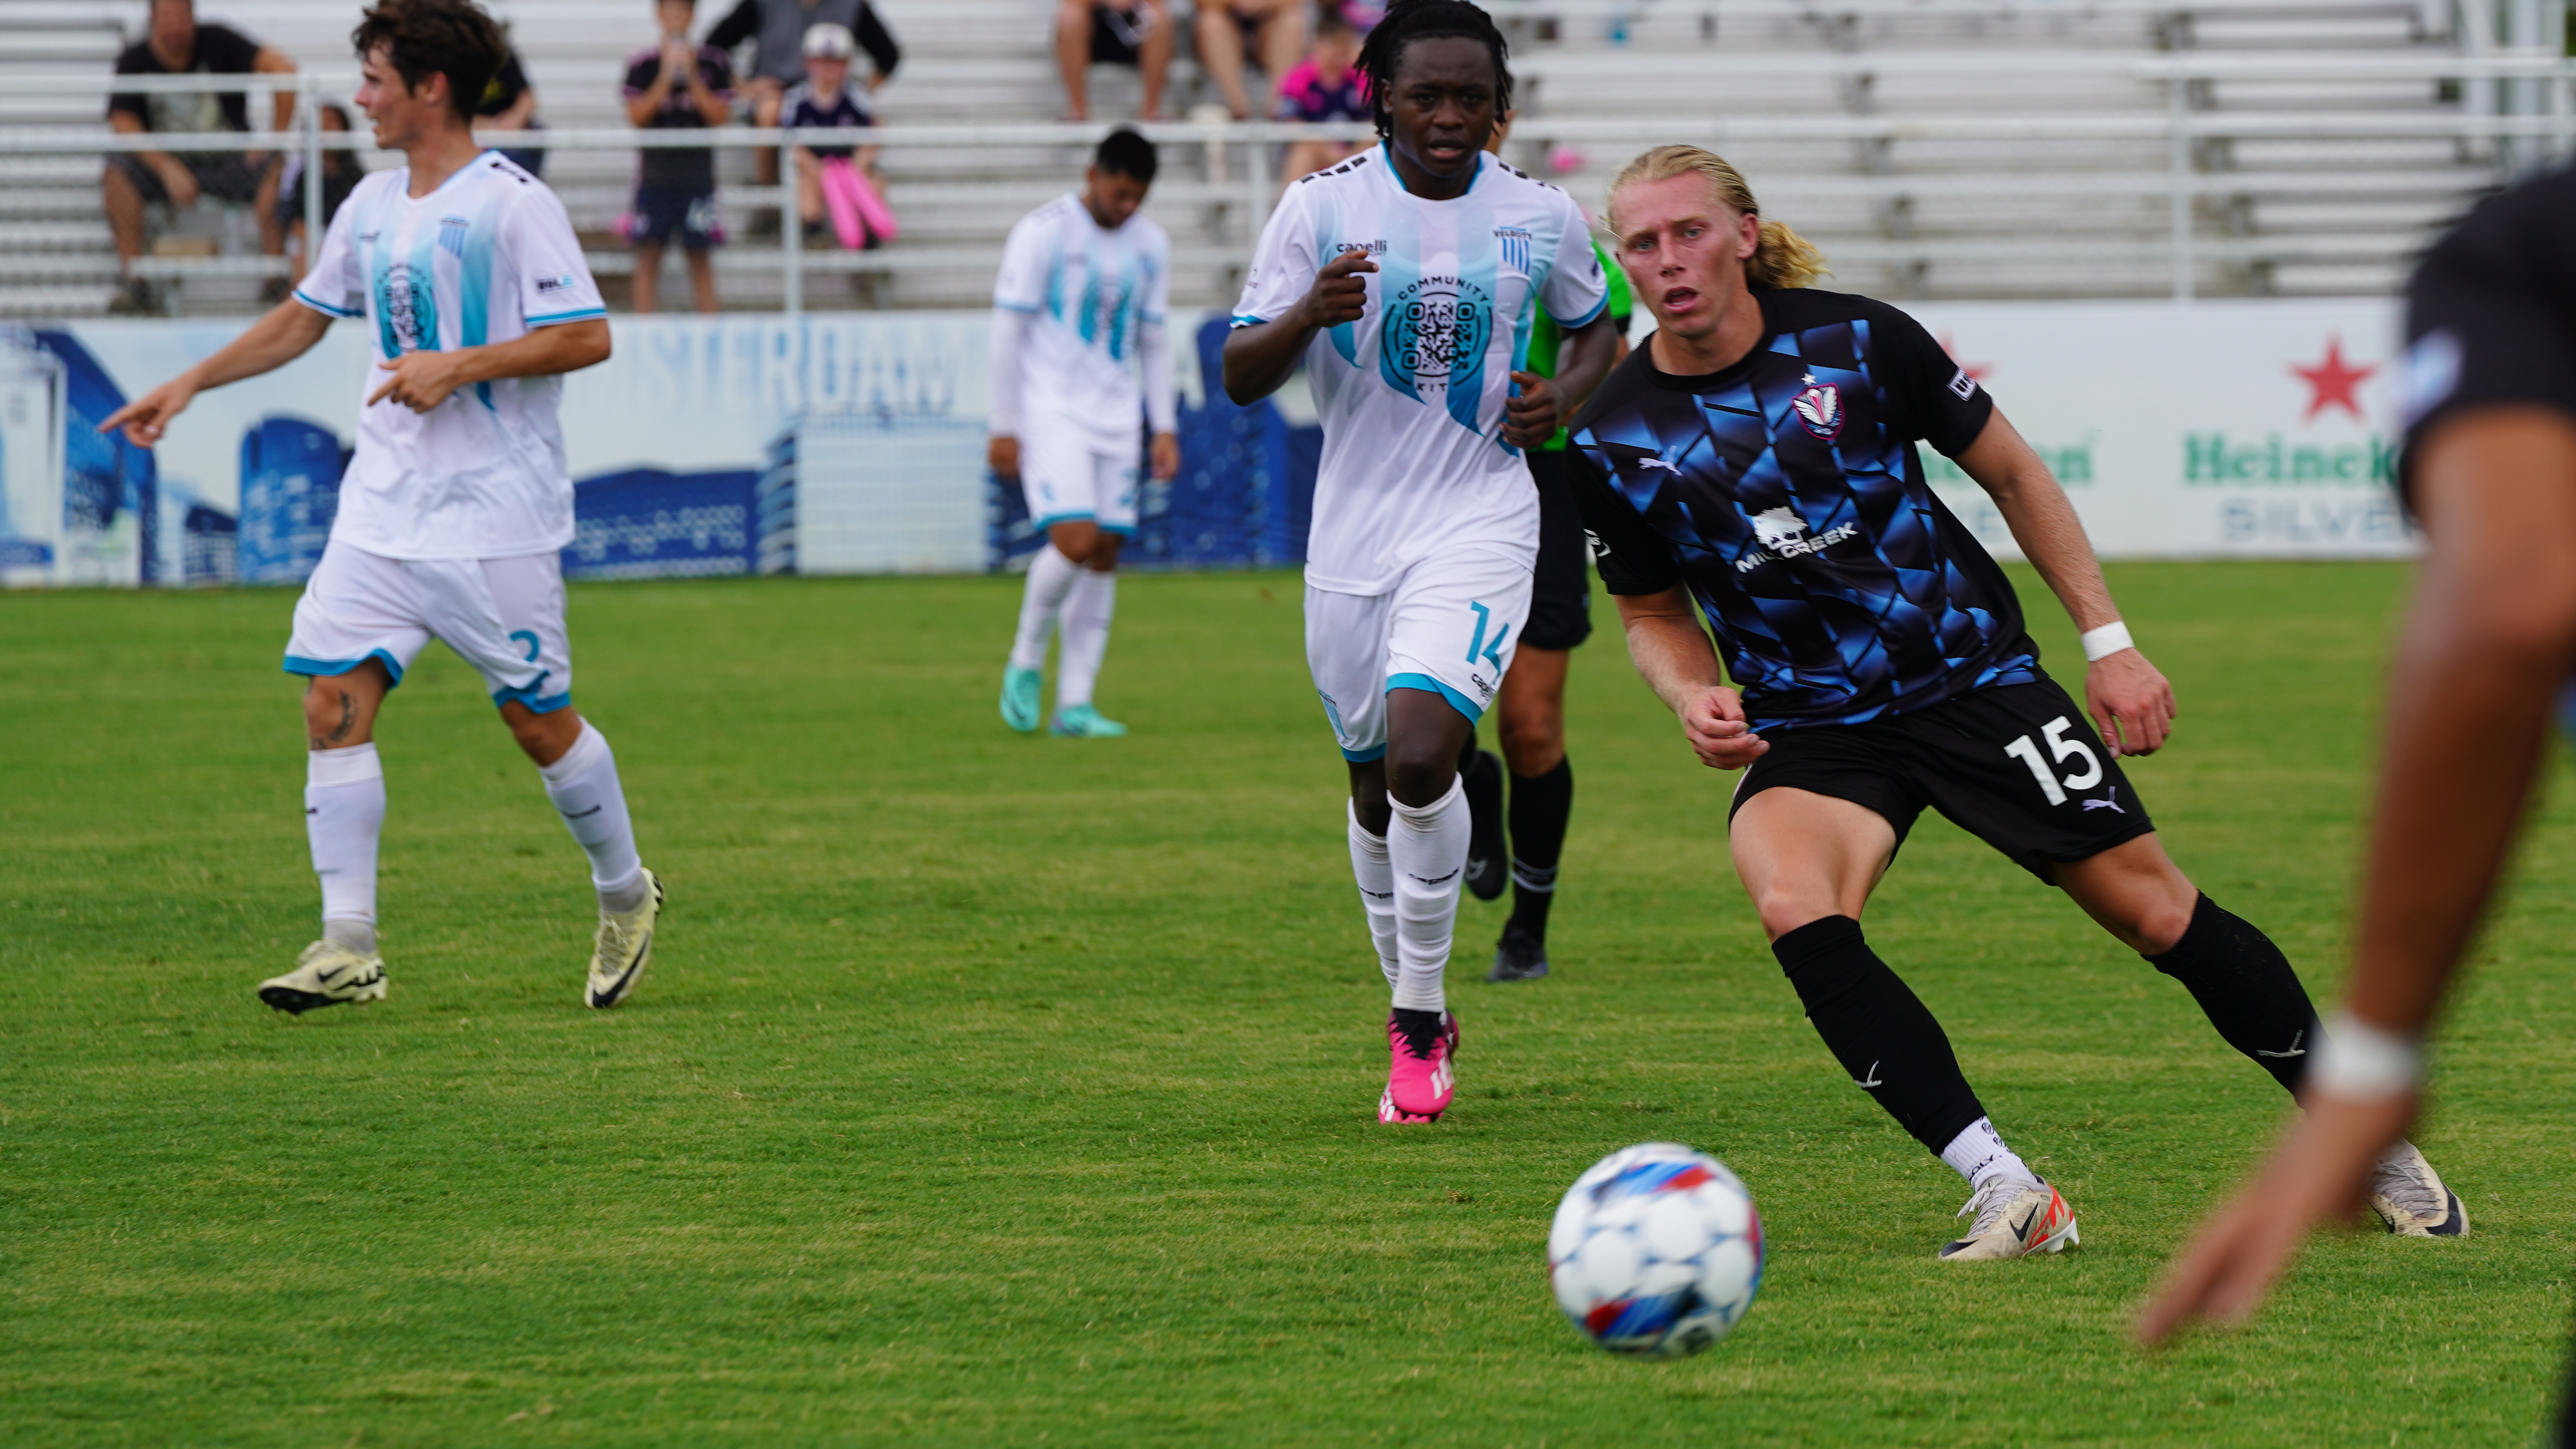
pixel 623 948
pixel 2409 1196
pixel 2012 1219
pixel 327 974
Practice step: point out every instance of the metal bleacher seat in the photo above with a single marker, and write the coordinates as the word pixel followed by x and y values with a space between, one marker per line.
pixel 1933 148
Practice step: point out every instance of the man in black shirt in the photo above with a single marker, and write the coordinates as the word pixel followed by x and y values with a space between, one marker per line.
pixel 176 44
pixel 1759 453
pixel 2489 468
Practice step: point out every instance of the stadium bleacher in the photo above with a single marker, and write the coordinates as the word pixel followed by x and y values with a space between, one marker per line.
pixel 1933 148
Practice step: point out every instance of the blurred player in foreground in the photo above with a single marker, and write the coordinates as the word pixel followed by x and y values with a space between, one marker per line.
pixel 1530 714
pixel 1078 311
pixel 457 503
pixel 2490 470
pixel 1759 452
pixel 1404 279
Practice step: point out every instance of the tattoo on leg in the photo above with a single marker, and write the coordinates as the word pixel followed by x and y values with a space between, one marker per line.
pixel 341 731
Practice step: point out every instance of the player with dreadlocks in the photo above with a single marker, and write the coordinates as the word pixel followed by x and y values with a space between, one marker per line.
pixel 1406 280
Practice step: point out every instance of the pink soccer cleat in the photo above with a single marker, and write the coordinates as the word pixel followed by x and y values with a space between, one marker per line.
pixel 1419 1080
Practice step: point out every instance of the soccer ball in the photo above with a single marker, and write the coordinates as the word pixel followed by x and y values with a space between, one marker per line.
pixel 1656 1251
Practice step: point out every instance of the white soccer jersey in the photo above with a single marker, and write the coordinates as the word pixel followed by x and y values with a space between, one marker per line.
pixel 485 258
pixel 1412 394
pixel 1095 301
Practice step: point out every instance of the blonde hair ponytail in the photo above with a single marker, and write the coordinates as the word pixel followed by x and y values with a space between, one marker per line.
pixel 1781 259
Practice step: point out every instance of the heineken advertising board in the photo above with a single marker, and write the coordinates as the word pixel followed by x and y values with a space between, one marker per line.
pixel 852 442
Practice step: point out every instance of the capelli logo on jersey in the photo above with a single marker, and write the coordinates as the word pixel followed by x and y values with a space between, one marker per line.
pixel 1375 249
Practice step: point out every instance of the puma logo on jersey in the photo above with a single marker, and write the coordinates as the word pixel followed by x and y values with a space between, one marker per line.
pixel 2111 805
pixel 1664 463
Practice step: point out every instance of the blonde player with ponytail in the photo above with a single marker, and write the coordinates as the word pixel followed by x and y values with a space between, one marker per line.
pixel 1757 458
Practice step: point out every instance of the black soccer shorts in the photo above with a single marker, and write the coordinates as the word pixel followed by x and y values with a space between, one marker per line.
pixel 1561 594
pixel 2018 767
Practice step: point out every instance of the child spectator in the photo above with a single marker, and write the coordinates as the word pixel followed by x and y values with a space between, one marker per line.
pixel 341 172
pixel 1325 86
pixel 826 100
pixel 676 85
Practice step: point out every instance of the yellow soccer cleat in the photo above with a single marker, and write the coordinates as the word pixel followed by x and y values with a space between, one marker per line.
pixel 327 974
pixel 623 948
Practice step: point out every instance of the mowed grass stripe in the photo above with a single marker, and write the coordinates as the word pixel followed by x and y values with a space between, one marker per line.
pixel 991 1090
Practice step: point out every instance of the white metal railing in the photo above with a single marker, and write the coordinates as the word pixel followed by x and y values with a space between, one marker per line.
pixel 2533 120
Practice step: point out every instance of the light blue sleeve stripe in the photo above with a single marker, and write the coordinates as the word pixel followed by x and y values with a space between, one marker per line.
pixel 1589 317
pixel 551 318
pixel 325 308
pixel 1031 307
pixel 1241 320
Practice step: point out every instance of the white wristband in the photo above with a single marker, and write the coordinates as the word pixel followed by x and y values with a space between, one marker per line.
pixel 2359 1062
pixel 2106 641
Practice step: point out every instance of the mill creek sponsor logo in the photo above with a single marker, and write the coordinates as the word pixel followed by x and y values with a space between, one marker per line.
pixel 1432 326
pixel 1784 535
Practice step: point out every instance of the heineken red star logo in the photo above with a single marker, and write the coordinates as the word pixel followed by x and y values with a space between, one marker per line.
pixel 2334 383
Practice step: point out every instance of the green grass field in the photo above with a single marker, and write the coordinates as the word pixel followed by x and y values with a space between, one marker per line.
pixel 1003 1090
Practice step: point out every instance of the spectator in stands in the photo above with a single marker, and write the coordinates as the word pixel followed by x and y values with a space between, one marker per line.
pixel 175 44
pixel 341 172
pixel 1273 31
pixel 510 104
pixel 1326 86
pixel 778 63
pixel 675 85
pixel 1112 32
pixel 827 99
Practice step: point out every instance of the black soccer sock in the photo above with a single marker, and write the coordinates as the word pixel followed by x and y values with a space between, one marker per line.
pixel 1540 807
pixel 2247 990
pixel 1879 1030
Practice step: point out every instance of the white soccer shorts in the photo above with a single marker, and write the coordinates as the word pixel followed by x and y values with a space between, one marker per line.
pixel 504 616
pixel 1449 627
pixel 1071 475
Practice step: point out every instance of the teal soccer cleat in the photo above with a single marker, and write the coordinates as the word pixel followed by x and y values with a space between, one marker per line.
pixel 1020 698
pixel 1082 722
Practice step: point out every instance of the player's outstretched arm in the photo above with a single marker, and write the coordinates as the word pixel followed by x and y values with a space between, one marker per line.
pixel 1673 653
pixel 422 380
pixel 2482 656
pixel 2131 704
pixel 288 332
pixel 1260 356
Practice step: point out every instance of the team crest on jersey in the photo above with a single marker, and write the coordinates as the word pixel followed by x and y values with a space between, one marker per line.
pixel 1515 243
pixel 1820 408
pixel 1433 327
pixel 451 235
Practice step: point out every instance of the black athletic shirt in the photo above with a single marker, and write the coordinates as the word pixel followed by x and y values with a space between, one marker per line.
pixel 221 50
pixel 1787 492
pixel 2491 314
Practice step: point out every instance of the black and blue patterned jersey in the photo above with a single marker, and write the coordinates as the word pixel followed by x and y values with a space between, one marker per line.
pixel 1786 491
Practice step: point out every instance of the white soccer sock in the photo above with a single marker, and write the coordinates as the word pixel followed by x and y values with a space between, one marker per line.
pixel 583 785
pixel 1086 636
pixel 1978 1154
pixel 1050 575
pixel 1427 846
pixel 344 813
pixel 1369 862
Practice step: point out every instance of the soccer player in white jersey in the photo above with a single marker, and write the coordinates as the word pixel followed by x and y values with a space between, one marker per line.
pixel 1406 280
pixel 1078 312
pixel 457 503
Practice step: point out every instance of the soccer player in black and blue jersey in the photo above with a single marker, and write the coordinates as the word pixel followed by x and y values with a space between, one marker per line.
pixel 1758 454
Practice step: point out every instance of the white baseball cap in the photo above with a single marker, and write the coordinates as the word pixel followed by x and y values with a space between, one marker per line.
pixel 829 41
